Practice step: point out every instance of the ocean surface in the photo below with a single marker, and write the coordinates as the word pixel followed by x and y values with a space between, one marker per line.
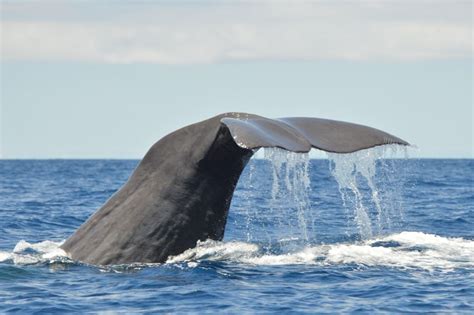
pixel 351 233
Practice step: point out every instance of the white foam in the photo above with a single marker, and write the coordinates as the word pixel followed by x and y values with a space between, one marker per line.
pixel 5 256
pixel 213 250
pixel 406 250
pixel 26 253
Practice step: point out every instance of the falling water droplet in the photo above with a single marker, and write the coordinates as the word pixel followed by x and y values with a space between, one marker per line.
pixel 354 170
pixel 290 188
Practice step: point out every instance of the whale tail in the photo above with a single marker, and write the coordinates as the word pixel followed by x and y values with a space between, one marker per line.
pixel 300 134
pixel 181 191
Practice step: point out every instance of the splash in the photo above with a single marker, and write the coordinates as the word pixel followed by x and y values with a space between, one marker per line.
pixel 26 253
pixel 405 250
pixel 354 170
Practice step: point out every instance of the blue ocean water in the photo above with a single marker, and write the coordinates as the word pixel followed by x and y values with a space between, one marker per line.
pixel 302 236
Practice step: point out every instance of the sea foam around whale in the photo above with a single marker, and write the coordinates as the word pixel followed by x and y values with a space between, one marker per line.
pixel 402 250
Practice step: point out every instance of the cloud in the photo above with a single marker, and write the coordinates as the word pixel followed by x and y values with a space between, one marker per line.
pixel 208 32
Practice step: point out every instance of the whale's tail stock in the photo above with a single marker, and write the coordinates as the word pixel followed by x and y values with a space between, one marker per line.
pixel 181 191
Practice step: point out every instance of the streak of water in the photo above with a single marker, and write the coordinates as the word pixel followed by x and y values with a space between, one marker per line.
pixel 290 189
pixel 369 184
pixel 354 172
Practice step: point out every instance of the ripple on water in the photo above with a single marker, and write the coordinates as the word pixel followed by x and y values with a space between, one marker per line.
pixel 274 270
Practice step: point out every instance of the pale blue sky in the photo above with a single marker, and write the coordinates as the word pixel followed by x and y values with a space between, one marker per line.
pixel 77 83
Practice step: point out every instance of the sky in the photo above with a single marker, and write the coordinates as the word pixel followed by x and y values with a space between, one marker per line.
pixel 107 79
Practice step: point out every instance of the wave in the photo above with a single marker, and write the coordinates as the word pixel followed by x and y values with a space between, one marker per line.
pixel 405 250
pixel 26 253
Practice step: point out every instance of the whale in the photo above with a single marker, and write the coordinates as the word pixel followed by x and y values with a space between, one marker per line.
pixel 180 192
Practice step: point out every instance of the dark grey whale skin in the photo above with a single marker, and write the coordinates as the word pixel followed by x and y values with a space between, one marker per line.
pixel 181 191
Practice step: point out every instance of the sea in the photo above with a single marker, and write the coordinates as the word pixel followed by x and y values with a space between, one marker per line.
pixel 367 232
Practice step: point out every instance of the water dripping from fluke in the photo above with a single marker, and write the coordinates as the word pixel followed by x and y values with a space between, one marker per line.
pixel 290 192
pixel 375 201
pixel 368 185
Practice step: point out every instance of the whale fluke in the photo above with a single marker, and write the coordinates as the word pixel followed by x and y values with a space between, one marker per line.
pixel 300 134
pixel 181 190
